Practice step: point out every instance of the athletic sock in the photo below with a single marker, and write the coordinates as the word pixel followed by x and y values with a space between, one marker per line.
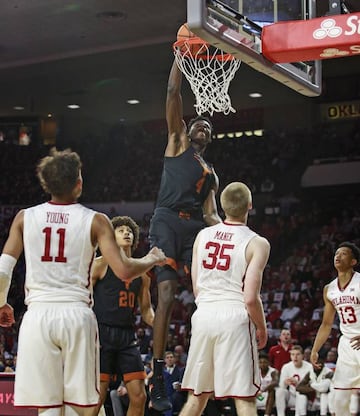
pixel 158 368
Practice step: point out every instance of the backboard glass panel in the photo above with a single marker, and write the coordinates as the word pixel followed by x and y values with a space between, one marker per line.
pixel 234 26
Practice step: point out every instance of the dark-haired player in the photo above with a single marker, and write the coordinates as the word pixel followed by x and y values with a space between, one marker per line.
pixel 115 306
pixel 56 369
pixel 342 295
pixel 185 204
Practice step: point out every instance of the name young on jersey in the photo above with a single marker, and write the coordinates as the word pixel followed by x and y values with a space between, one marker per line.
pixel 57 217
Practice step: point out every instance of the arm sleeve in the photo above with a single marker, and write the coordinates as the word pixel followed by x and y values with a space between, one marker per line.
pixel 7 264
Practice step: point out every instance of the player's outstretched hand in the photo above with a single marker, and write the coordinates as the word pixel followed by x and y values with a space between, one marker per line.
pixel 159 256
pixel 7 315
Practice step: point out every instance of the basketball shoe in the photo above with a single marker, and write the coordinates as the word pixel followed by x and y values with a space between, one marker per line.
pixel 159 399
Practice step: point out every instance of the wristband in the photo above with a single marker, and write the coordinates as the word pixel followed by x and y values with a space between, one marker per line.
pixel 7 264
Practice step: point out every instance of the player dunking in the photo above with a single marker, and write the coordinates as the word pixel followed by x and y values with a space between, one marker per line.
pixel 228 325
pixel 342 295
pixel 185 204
pixel 57 369
pixel 115 303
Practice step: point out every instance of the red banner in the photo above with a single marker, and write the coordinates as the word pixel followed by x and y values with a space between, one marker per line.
pixel 7 398
pixel 307 40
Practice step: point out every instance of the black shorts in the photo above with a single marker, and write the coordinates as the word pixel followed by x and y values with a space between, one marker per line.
pixel 120 354
pixel 174 234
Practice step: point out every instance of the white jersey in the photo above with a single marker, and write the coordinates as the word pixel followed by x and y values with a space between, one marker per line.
pixel 261 399
pixel 216 347
pixel 289 370
pixel 266 379
pixel 347 304
pixel 222 263
pixel 321 382
pixel 58 253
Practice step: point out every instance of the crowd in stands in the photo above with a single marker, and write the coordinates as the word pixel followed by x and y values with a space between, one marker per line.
pixel 303 231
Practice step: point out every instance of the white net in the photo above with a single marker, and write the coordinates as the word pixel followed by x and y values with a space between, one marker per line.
pixel 209 72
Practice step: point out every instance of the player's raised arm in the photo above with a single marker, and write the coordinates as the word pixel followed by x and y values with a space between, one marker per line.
pixel 98 269
pixel 178 140
pixel 124 267
pixel 209 207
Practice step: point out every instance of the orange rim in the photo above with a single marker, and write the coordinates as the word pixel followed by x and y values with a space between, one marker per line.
pixel 222 56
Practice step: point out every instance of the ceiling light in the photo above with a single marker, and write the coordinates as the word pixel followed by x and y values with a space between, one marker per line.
pixel 255 95
pixel 259 132
pixel 133 101
pixel 73 106
pixel 19 107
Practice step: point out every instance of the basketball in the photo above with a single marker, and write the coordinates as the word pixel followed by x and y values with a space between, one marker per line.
pixel 184 34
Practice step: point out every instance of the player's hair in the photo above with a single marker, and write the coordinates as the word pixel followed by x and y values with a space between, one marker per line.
pixel 354 249
pixel 200 118
pixel 129 222
pixel 59 172
pixel 235 200
pixel 263 355
pixel 297 348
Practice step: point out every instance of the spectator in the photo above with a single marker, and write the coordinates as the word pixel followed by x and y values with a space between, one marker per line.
pixel 280 354
pixel 290 312
pixel 275 332
pixel 186 296
pixel 273 314
pixel 267 185
pixel 309 290
pixel 144 340
pixel 119 400
pixel 10 363
pixel 182 355
pixel 172 376
pixel 299 332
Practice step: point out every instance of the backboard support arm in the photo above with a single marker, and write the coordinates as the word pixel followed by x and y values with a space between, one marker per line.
pixel 206 20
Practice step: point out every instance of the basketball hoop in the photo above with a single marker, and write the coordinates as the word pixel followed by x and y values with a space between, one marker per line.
pixel 209 72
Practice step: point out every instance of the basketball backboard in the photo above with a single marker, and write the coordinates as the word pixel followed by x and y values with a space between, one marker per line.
pixel 235 27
